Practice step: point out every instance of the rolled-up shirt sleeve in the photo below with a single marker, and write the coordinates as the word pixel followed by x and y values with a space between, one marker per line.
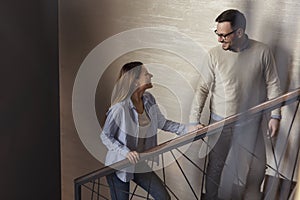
pixel 169 125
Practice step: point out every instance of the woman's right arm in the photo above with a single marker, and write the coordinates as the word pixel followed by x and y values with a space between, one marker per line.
pixel 114 145
pixel 111 131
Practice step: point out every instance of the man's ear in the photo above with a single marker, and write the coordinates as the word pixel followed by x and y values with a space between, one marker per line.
pixel 240 32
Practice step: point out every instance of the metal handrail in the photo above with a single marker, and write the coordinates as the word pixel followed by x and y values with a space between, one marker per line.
pixel 260 109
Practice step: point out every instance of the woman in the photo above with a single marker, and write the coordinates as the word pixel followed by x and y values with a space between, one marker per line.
pixel 130 128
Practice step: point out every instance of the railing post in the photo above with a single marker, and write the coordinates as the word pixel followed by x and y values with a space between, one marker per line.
pixel 77 191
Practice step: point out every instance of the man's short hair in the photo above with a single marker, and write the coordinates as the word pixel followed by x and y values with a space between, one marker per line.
pixel 235 17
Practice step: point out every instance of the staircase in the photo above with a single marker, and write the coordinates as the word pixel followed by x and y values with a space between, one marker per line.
pixel 183 172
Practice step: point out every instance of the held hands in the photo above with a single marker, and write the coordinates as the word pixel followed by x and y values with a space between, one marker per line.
pixel 133 157
pixel 273 127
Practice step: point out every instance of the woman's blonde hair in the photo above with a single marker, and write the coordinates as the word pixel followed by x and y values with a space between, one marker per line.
pixel 126 82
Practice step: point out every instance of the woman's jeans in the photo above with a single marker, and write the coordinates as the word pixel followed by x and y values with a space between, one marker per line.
pixel 149 181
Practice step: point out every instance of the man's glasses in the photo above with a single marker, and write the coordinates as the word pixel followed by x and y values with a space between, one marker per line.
pixel 224 36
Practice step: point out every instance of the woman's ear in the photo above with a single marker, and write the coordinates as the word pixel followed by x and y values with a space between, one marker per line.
pixel 136 83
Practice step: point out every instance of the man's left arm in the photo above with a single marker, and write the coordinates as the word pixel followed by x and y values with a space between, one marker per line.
pixel 273 91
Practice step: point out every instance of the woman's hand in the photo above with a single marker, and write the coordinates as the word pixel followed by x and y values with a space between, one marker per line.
pixel 133 157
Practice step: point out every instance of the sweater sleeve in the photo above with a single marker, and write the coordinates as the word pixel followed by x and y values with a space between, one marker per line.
pixel 202 90
pixel 272 80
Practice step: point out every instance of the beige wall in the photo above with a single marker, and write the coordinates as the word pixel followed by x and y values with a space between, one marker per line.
pixel 84 25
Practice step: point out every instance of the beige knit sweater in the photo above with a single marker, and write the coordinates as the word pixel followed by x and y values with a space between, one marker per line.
pixel 236 81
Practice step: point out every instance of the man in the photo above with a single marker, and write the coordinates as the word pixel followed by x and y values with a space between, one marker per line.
pixel 238 74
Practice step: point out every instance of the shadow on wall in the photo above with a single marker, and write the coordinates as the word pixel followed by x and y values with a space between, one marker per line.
pixel 284 147
pixel 283 56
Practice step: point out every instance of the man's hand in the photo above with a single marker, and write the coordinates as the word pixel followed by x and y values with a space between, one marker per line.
pixel 133 157
pixel 273 127
pixel 195 127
